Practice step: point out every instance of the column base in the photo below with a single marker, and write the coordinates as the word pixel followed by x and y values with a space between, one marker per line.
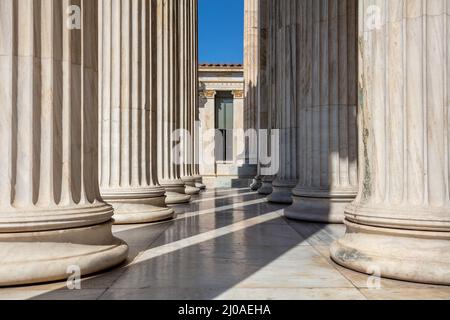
pixel 190 188
pixel 407 255
pixel 256 183
pixel 266 189
pixel 37 257
pixel 138 205
pixel 320 206
pixel 135 213
pixel 199 183
pixel 175 192
pixel 177 198
pixel 282 192
pixel 266 186
pixel 320 210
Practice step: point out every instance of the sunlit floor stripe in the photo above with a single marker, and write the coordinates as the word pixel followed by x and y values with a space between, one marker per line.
pixel 220 209
pixel 124 228
pixel 220 232
pixel 215 191
pixel 224 197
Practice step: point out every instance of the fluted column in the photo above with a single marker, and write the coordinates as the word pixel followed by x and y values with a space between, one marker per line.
pixel 128 175
pixel 286 100
pixel 187 91
pixel 51 213
pixel 251 64
pixel 400 221
pixel 169 109
pixel 265 95
pixel 194 63
pixel 327 98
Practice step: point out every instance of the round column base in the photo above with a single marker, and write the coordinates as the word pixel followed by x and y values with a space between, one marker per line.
pixel 416 256
pixel 199 183
pixel 135 213
pixel 322 210
pixel 281 194
pixel 38 257
pixel 138 205
pixel 190 189
pixel 175 192
pixel 266 189
pixel 256 184
pixel 177 198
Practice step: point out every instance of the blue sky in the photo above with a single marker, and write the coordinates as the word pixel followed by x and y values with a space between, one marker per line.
pixel 221 25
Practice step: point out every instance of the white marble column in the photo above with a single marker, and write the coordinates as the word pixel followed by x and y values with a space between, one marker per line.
pixel 195 97
pixel 399 224
pixel 251 64
pixel 187 91
pixel 327 98
pixel 286 100
pixel 265 92
pixel 52 218
pixel 169 109
pixel 127 59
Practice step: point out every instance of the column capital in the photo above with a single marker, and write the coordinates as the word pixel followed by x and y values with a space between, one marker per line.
pixel 238 94
pixel 208 94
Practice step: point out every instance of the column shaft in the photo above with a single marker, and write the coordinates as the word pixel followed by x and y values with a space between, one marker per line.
pixel 128 175
pixel 251 64
pixel 195 97
pixel 169 109
pixel 327 97
pixel 265 94
pixel 286 100
pixel 187 91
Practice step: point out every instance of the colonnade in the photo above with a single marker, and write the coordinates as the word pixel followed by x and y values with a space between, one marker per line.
pixel 360 94
pixel 91 94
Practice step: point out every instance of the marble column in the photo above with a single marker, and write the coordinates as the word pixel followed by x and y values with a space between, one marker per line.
pixel 195 98
pixel 187 91
pixel 52 218
pixel 399 225
pixel 251 65
pixel 128 175
pixel 327 98
pixel 168 102
pixel 265 93
pixel 286 100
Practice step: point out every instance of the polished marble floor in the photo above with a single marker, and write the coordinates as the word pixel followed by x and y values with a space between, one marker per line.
pixel 230 244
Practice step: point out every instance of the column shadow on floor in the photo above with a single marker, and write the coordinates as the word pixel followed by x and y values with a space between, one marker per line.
pixel 200 256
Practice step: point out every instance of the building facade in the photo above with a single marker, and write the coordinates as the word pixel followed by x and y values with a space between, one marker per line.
pixel 222 126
